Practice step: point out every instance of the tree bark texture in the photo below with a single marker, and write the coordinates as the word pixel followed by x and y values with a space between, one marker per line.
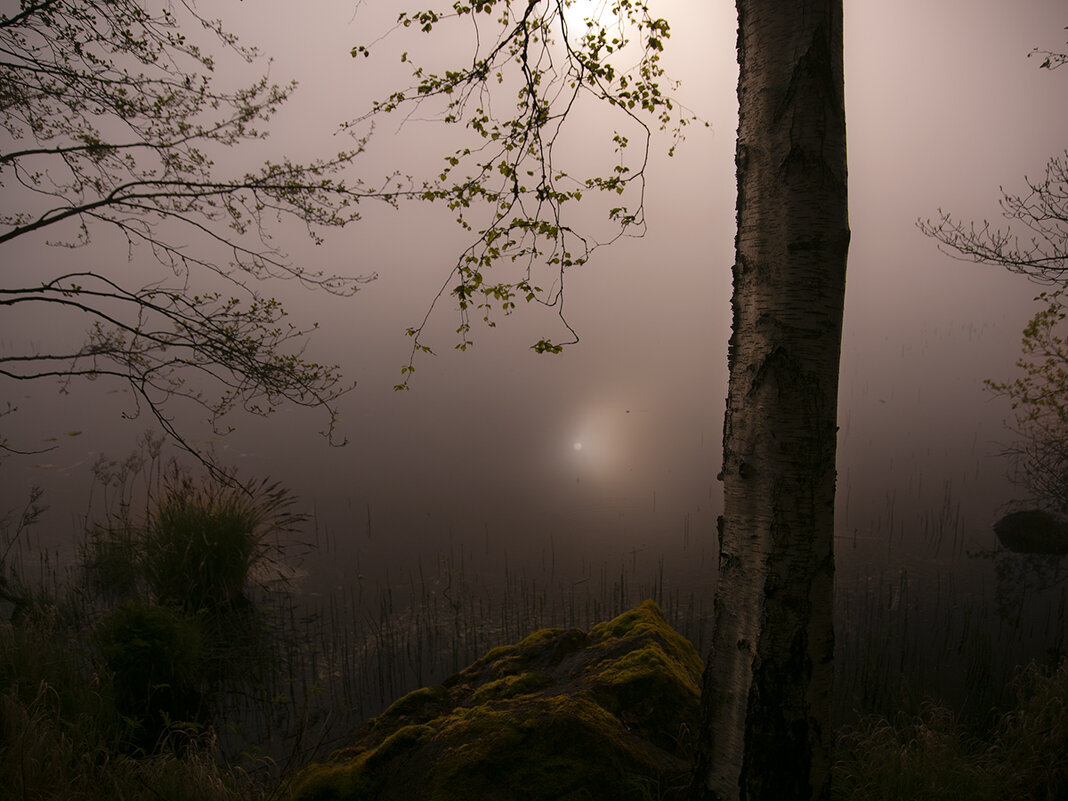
pixel 767 685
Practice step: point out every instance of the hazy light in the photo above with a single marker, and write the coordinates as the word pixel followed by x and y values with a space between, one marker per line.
pixel 594 10
pixel 578 446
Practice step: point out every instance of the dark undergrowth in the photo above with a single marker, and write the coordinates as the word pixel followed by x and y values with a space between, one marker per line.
pixel 931 756
pixel 63 737
pixel 167 665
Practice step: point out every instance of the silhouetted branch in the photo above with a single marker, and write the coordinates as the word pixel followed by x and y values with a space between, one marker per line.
pixel 1039 395
pixel 511 180
pixel 113 120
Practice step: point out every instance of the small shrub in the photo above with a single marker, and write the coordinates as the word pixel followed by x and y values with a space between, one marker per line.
pixel 931 757
pixel 200 549
pixel 112 558
pixel 154 656
pixel 43 663
pixel 1032 743
pixel 204 544
pixel 927 757
pixel 41 758
pixel 36 760
pixel 205 551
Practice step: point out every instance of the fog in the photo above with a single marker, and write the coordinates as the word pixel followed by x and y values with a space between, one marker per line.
pixel 943 108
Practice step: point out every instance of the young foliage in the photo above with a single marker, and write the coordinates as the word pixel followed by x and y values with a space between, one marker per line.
pixel 1039 395
pixel 1035 244
pixel 1039 398
pixel 540 59
pixel 1050 60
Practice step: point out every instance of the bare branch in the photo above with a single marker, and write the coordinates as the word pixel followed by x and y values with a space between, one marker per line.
pixel 1041 253
pixel 1035 244
pixel 113 119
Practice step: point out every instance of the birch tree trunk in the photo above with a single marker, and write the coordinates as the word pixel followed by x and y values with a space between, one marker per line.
pixel 767 686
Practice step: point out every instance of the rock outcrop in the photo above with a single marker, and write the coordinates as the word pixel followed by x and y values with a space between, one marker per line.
pixel 1033 531
pixel 564 715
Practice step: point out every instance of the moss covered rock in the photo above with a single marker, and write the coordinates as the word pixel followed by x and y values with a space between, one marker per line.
pixel 563 715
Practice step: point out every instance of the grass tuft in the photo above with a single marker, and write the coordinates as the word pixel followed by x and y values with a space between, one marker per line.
pixel 933 757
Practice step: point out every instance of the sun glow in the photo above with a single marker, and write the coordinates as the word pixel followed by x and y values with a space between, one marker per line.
pixel 598 443
pixel 594 10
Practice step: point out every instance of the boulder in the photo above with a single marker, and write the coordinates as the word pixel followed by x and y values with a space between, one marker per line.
pixel 563 715
pixel 1033 531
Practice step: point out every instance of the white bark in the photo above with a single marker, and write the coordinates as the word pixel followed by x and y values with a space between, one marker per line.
pixel 768 680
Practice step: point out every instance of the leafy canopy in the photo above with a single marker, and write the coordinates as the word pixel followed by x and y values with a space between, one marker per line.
pixel 541 59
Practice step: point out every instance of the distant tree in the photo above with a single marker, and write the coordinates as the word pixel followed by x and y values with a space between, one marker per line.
pixel 112 119
pixel 1039 399
pixel 766 702
pixel 1035 244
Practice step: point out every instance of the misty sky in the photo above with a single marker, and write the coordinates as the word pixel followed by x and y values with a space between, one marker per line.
pixel 943 108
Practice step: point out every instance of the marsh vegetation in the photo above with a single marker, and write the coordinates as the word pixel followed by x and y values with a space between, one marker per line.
pixel 186 652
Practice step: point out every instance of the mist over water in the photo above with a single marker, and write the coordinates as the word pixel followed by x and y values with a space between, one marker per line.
pixel 472 480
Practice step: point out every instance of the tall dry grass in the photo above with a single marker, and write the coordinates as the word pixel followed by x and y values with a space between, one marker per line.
pixel 932 756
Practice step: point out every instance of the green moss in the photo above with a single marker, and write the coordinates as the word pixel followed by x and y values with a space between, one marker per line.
pixel 562 747
pixel 560 716
pixel 494 654
pixel 648 663
pixel 549 749
pixel 400 741
pixel 331 781
pixel 656 695
pixel 479 730
pixel 417 702
pixel 539 637
pixel 357 774
pixel 504 656
pixel 511 687
pixel 647 619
